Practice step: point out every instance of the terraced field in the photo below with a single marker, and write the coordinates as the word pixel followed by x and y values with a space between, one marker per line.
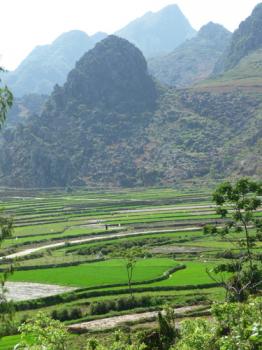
pixel 77 238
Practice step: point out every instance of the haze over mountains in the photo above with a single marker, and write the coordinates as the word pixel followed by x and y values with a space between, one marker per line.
pixel 193 60
pixel 111 123
pixel 154 33
pixel 158 33
pixel 48 65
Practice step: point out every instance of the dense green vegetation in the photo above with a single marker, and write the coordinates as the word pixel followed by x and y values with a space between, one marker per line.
pixel 165 225
pixel 77 259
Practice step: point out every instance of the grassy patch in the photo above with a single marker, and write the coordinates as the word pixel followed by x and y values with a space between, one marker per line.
pixel 96 274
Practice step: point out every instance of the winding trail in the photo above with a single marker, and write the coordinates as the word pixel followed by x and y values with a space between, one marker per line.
pixel 90 239
pixel 111 322
pixel 173 208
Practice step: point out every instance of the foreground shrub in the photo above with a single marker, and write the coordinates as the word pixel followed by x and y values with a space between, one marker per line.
pixel 239 325
pixel 43 333
pixel 196 335
pixel 120 342
pixel 236 327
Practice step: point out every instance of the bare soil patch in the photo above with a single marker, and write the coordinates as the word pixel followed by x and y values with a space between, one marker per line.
pixel 112 322
pixel 26 291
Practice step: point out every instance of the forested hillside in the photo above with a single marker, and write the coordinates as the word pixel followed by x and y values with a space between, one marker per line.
pixel 246 39
pixel 193 60
pixel 111 124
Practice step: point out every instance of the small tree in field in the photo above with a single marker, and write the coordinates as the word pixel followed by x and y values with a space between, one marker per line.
pixel 131 257
pixel 237 204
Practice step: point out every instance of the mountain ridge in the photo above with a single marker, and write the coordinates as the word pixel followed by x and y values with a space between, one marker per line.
pixel 48 65
pixel 193 60
pixel 201 132
pixel 246 39
pixel 159 32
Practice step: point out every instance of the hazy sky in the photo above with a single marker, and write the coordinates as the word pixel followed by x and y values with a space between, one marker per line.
pixel 27 23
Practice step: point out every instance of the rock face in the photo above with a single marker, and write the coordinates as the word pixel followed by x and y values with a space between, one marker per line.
pixel 48 65
pixel 158 33
pixel 246 39
pixel 112 76
pixel 193 60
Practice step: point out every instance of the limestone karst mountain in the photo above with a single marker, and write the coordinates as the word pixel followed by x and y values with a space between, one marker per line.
pixel 245 40
pixel 193 60
pixel 158 33
pixel 48 65
pixel 111 124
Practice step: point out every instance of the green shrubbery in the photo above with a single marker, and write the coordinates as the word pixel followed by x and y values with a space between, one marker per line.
pixel 68 297
pixel 234 326
pixel 66 315
pixel 115 247
pixel 103 307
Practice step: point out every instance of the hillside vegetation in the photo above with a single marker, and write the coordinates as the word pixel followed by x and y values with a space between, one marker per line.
pixel 125 136
pixel 246 39
pixel 111 124
pixel 193 60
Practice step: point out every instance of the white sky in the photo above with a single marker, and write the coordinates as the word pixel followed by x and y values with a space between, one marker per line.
pixel 27 23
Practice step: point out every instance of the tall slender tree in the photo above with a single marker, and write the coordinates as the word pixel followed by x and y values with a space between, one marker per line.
pixel 237 204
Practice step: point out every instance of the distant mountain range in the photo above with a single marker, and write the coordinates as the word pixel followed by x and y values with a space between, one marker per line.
pixel 154 33
pixel 158 33
pixel 194 60
pixel 112 124
pixel 48 65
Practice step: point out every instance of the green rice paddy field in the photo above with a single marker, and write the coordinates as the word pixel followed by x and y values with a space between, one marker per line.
pixel 90 230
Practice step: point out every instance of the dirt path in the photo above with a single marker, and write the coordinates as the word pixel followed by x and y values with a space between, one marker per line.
pixel 90 239
pixel 111 322
pixel 174 208
pixel 18 291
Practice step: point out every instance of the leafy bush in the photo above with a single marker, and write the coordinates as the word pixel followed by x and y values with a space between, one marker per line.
pixel 43 333
pixel 65 315
pixel 236 326
pixel 121 304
